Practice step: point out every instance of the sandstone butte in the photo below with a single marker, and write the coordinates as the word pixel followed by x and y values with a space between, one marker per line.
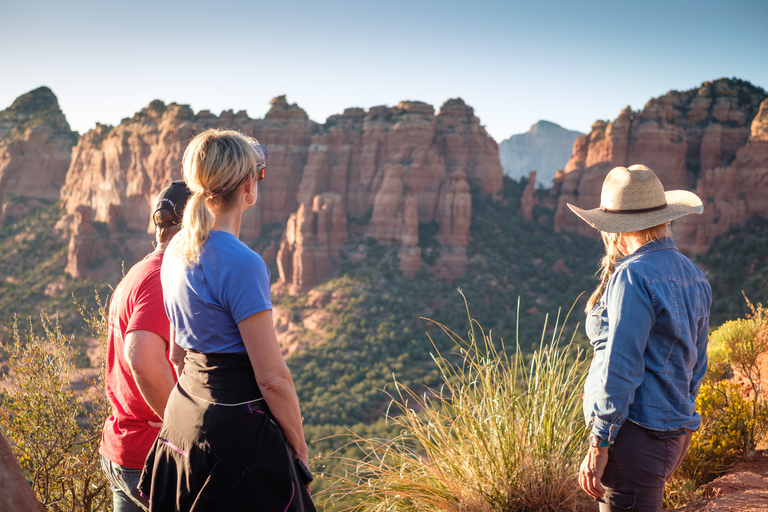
pixel 378 173
pixel 16 493
pixel 388 168
pixel 35 148
pixel 712 140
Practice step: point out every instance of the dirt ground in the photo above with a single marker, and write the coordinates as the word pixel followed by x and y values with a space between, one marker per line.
pixel 744 488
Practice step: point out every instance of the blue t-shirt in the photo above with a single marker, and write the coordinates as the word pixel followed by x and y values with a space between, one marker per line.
pixel 206 301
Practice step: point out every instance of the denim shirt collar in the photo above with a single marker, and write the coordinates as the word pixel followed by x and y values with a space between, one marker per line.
pixel 654 245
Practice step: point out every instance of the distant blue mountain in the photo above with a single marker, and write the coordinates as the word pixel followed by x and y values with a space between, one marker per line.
pixel 545 148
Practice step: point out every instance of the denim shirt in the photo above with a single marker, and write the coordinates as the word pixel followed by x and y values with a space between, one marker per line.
pixel 649 332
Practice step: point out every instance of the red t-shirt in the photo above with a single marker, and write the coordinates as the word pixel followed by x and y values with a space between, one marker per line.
pixel 137 305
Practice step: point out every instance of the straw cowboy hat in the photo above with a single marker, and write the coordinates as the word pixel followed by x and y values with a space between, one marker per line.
pixel 633 199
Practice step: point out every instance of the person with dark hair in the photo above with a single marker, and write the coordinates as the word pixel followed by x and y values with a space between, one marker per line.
pixel 139 376
pixel 232 437
pixel 648 323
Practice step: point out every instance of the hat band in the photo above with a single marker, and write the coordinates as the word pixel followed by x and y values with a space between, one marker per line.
pixel 641 210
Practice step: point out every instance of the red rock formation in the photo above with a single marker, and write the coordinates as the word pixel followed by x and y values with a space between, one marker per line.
pixel 731 194
pixel 410 252
pixel 404 166
pixel 117 171
pixel 466 147
pixel 390 169
pixel 388 217
pixel 81 242
pixel 35 149
pixel 286 130
pixel 529 199
pixel 15 492
pixel 311 248
pixel 683 136
pixel 454 211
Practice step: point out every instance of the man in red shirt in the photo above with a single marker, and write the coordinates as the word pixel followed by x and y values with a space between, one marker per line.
pixel 139 376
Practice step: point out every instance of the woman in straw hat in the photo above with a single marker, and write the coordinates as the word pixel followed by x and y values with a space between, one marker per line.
pixel 232 438
pixel 648 323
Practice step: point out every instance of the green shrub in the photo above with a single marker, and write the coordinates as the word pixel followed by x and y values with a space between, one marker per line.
pixel 503 432
pixel 743 342
pixel 734 419
pixel 54 430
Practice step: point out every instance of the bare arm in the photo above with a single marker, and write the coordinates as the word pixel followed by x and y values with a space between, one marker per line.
pixel 145 353
pixel 274 378
pixel 177 354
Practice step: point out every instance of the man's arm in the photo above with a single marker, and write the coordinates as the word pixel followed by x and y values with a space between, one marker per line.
pixel 145 353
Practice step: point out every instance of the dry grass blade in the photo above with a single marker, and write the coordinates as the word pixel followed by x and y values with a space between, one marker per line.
pixel 500 434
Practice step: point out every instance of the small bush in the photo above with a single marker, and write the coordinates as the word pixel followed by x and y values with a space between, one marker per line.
pixel 55 431
pixel 734 419
pixel 726 424
pixel 501 433
pixel 742 343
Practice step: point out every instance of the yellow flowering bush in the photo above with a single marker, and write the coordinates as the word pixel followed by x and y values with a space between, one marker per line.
pixel 727 421
pixel 734 417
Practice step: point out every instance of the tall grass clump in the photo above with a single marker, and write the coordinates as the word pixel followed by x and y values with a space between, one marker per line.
pixel 502 433
pixel 54 430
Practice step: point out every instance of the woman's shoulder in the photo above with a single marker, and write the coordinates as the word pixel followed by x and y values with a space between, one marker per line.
pixel 227 246
pixel 230 259
pixel 660 261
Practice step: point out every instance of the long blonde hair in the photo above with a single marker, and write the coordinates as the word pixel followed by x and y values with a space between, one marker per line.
pixel 613 254
pixel 215 165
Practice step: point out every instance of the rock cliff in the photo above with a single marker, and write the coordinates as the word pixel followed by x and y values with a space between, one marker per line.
pixel 15 492
pixel 35 148
pixel 703 139
pixel 312 245
pixel 388 169
pixel 545 148
pixel 403 166
pixel 732 193
pixel 529 198
pixel 116 172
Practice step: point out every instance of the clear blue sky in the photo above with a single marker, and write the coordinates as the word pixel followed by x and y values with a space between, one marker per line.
pixel 515 62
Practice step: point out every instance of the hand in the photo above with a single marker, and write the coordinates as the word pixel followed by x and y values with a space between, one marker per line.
pixel 305 460
pixel 591 471
pixel 155 424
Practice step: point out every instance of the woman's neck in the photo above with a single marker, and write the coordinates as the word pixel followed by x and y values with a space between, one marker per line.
pixel 229 221
pixel 631 242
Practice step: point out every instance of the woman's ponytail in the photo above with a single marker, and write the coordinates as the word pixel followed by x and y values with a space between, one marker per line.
pixel 196 226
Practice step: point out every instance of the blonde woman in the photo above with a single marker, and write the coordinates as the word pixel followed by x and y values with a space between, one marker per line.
pixel 232 437
pixel 648 323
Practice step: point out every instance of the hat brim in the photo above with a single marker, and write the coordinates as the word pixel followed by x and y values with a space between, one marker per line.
pixel 679 204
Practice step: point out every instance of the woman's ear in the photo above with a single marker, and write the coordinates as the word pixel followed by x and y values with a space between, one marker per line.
pixel 250 192
pixel 249 184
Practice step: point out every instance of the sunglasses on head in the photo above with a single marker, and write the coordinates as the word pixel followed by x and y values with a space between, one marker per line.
pixel 259 172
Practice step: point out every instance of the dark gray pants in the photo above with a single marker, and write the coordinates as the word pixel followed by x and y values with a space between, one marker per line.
pixel 640 462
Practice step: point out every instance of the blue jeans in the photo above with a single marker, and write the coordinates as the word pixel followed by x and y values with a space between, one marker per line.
pixel 124 483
